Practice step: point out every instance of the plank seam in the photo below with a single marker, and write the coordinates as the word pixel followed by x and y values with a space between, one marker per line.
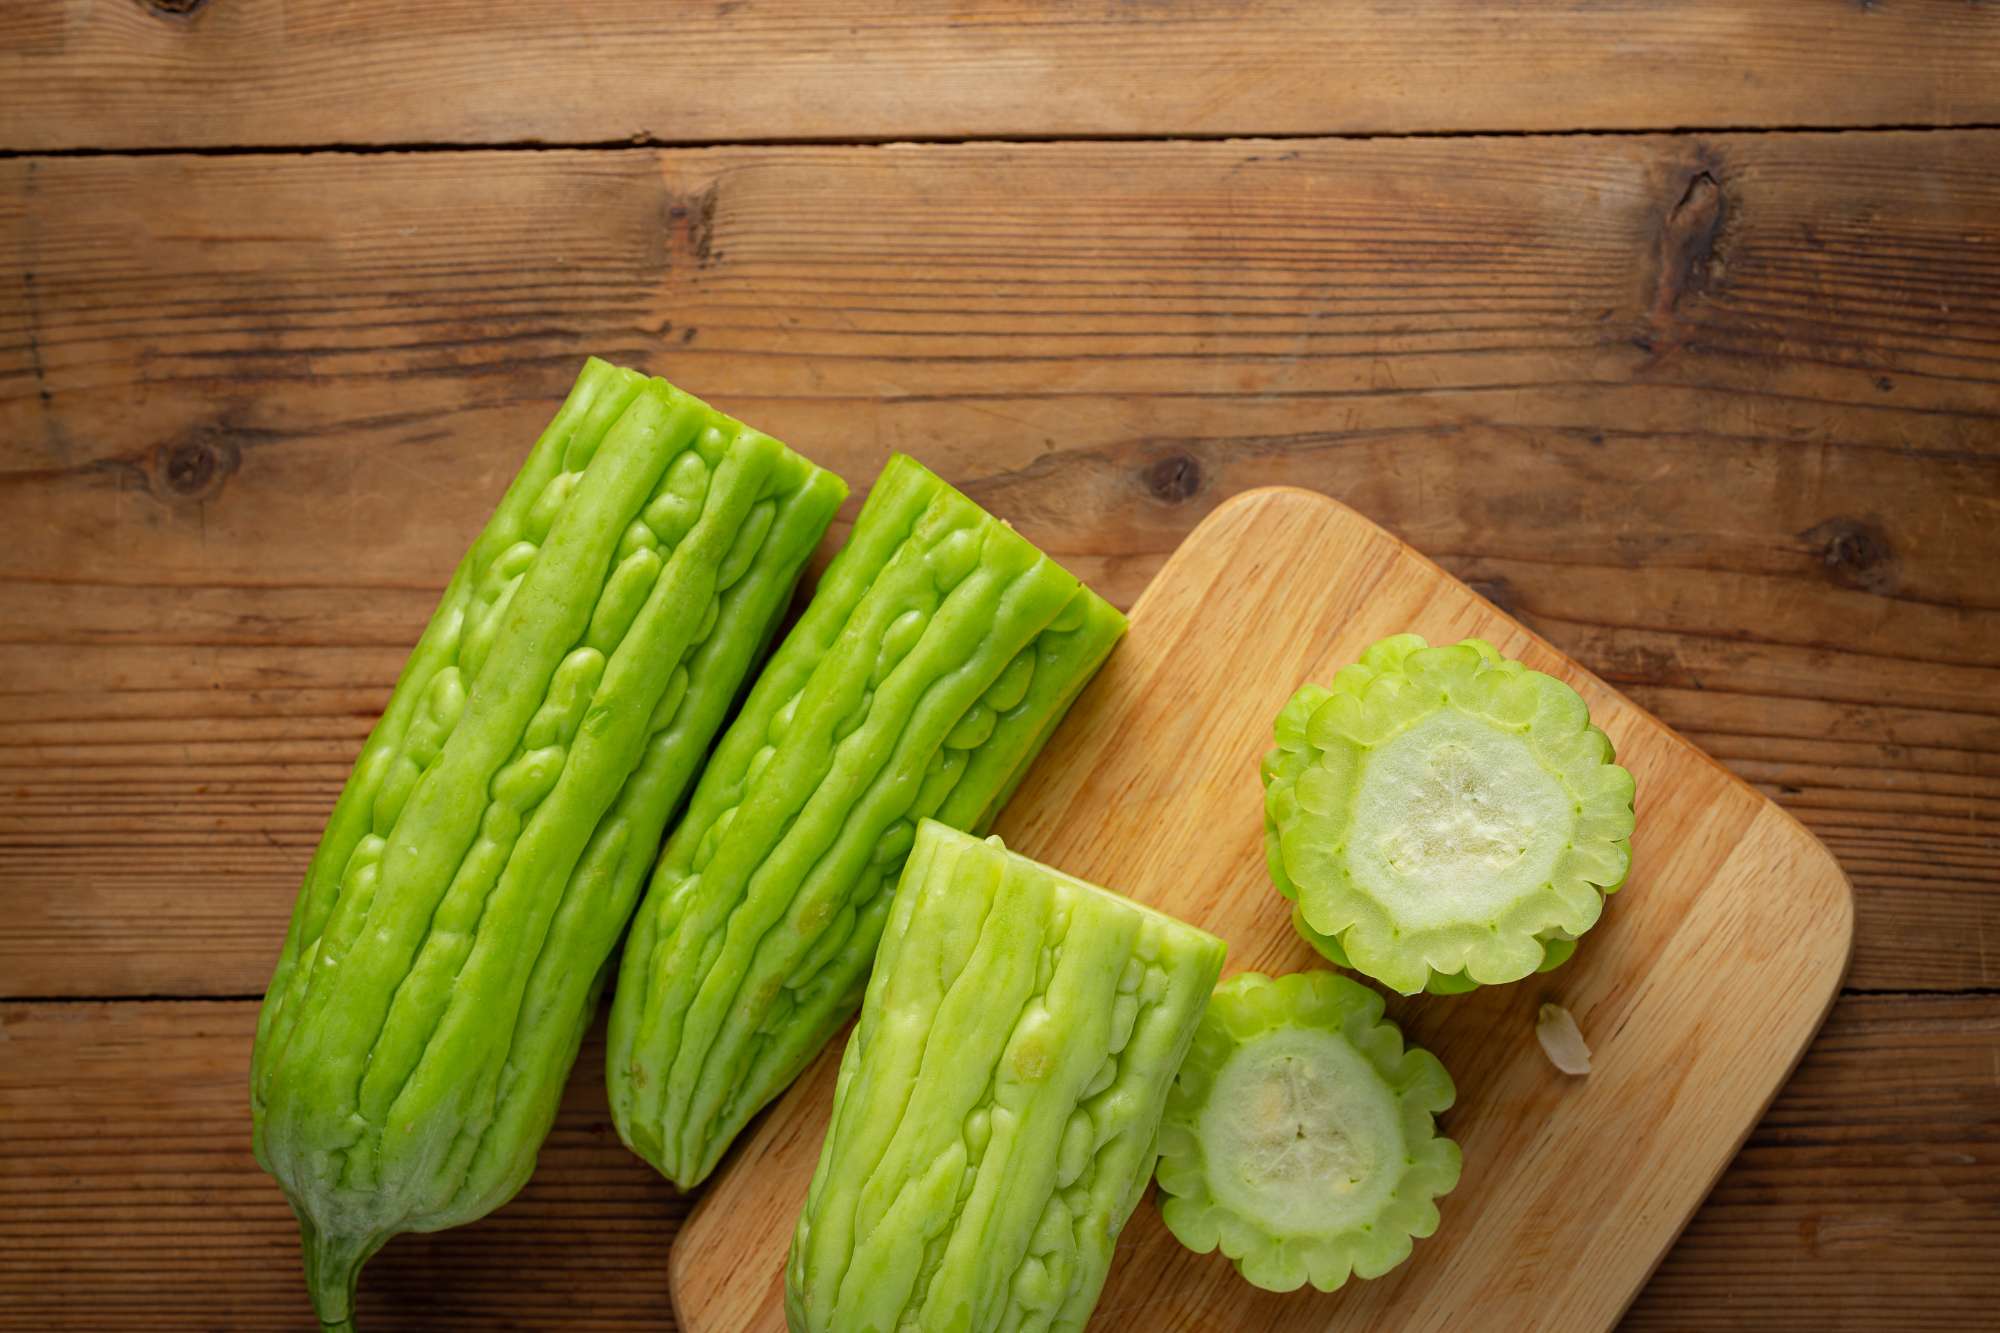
pixel 143 998
pixel 1910 993
pixel 648 143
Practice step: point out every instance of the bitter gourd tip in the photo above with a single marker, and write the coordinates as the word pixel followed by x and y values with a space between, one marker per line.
pixel 1444 818
pixel 1299 1135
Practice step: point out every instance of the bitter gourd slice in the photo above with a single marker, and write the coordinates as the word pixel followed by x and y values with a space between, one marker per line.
pixel 450 940
pixel 1444 818
pixel 993 1125
pixel 1300 1134
pixel 938 653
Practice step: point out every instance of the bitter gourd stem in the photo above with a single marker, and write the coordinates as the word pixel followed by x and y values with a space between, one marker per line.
pixel 333 1266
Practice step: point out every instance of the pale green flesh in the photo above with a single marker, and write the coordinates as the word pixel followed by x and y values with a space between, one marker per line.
pixel 1444 818
pixel 1303 1136
pixel 1299 1138
pixel 1455 820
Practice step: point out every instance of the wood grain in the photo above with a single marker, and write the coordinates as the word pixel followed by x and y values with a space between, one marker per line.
pixel 151 74
pixel 1717 415
pixel 1150 788
pixel 1714 413
pixel 129 1196
pixel 1867 1199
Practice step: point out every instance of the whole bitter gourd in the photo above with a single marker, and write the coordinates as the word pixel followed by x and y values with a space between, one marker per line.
pixel 995 1118
pixel 451 938
pixel 938 653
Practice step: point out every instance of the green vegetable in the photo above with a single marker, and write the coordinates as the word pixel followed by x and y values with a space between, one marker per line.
pixel 994 1122
pixel 1299 1135
pixel 1444 817
pixel 449 943
pixel 939 652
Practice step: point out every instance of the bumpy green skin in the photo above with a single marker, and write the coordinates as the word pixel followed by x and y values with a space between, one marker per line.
pixel 450 941
pixel 1326 738
pixel 938 653
pixel 1234 1168
pixel 993 1126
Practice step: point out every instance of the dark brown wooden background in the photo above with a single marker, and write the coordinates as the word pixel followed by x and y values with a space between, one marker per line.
pixel 1674 327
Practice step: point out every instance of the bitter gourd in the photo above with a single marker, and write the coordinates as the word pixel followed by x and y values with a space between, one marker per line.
pixel 1444 818
pixel 450 940
pixel 993 1125
pixel 1299 1135
pixel 938 653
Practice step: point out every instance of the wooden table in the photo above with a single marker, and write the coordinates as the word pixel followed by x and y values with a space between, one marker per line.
pixel 1672 327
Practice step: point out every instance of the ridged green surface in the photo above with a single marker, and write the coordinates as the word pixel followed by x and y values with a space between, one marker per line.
pixel 1444 818
pixel 938 653
pixel 1299 1137
pixel 450 940
pixel 993 1126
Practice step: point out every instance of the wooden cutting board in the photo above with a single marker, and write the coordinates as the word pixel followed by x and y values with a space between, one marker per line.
pixel 1711 969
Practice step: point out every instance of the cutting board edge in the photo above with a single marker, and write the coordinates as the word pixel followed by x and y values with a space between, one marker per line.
pixel 1834 981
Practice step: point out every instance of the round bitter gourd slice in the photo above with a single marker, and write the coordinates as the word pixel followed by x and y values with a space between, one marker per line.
pixel 1299 1134
pixel 1444 818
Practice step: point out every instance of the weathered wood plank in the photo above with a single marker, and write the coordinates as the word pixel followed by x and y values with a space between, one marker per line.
pixel 1868 1198
pixel 1715 414
pixel 79 74
pixel 128 1195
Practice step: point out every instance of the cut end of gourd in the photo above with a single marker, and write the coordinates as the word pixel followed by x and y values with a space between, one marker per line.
pixel 1443 817
pixel 1299 1137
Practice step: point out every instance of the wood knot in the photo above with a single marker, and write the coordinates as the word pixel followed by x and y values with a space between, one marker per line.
pixel 1499 591
pixel 1689 260
pixel 1855 554
pixel 691 219
pixel 1173 479
pixel 173 9
pixel 193 467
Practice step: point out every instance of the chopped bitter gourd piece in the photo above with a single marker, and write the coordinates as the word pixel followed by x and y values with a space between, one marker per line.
pixel 938 653
pixel 1300 1137
pixel 1444 818
pixel 994 1123
pixel 450 940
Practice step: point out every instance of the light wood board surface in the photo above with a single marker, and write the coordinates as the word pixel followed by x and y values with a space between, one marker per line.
pixel 1710 972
